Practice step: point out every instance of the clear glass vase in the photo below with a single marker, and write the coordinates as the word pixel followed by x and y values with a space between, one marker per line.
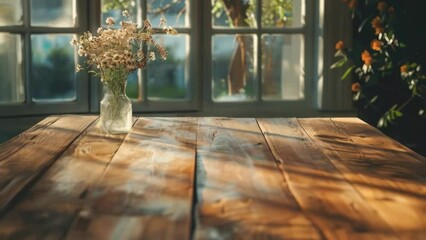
pixel 116 108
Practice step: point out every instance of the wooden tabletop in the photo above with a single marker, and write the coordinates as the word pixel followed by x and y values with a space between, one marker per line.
pixel 210 178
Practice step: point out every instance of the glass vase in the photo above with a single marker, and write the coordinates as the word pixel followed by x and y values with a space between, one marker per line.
pixel 115 108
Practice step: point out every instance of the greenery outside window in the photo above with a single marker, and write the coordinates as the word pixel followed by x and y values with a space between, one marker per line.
pixel 258 57
pixel 37 71
pixel 163 85
pixel 259 60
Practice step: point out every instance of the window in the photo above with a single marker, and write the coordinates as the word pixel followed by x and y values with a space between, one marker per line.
pixel 253 59
pixel 164 85
pixel 257 58
pixel 231 57
pixel 37 71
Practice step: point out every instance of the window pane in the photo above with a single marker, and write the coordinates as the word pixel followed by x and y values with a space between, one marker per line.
pixel 53 13
pixel 114 9
pixel 169 79
pixel 282 13
pixel 282 67
pixel 174 11
pixel 53 64
pixel 234 67
pixel 11 84
pixel 134 86
pixel 11 12
pixel 237 13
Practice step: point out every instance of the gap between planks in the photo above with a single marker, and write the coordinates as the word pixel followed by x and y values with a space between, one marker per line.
pixel 320 189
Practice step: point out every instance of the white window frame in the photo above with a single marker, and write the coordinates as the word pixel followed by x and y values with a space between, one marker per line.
pixel 326 21
pixel 259 107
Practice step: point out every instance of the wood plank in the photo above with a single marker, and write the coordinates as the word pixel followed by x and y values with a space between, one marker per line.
pixel 362 133
pixel 240 190
pixel 25 165
pixel 18 142
pixel 390 177
pixel 49 208
pixel 147 189
pixel 320 189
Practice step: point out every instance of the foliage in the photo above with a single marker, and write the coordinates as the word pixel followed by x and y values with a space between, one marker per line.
pixel 277 12
pixel 117 4
pixel 389 83
pixel 46 74
pixel 274 12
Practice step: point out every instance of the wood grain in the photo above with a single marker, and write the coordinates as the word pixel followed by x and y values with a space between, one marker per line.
pixel 313 178
pixel 390 177
pixel 51 204
pixel 146 191
pixel 241 193
pixel 28 163
pixel 18 142
pixel 365 135
pixel 320 189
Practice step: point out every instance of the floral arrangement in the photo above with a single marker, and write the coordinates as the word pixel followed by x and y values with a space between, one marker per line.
pixel 388 81
pixel 115 53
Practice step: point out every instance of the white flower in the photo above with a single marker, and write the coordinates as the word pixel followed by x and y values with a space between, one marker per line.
pixel 170 31
pixel 152 56
pixel 80 51
pixel 110 21
pixel 120 49
pixel 163 23
pixel 140 54
pixel 74 42
pixel 78 68
pixel 126 13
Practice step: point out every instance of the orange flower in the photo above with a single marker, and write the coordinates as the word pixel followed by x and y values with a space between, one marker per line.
pixel 377 25
pixel 368 61
pixel 381 6
pixel 366 57
pixel 340 45
pixel 365 54
pixel 404 68
pixel 376 22
pixel 352 4
pixel 379 30
pixel 376 45
pixel 356 87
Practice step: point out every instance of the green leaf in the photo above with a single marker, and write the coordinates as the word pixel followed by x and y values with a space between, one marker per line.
pixel 380 123
pixel 388 117
pixel 398 113
pixel 339 63
pixel 357 96
pixel 412 65
pixel 338 53
pixel 347 72
pixel 414 91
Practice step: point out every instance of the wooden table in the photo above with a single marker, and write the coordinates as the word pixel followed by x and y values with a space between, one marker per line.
pixel 210 178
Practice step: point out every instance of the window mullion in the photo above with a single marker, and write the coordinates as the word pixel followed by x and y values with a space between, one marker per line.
pixel 26 35
pixel 259 50
pixel 207 31
pixel 144 73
